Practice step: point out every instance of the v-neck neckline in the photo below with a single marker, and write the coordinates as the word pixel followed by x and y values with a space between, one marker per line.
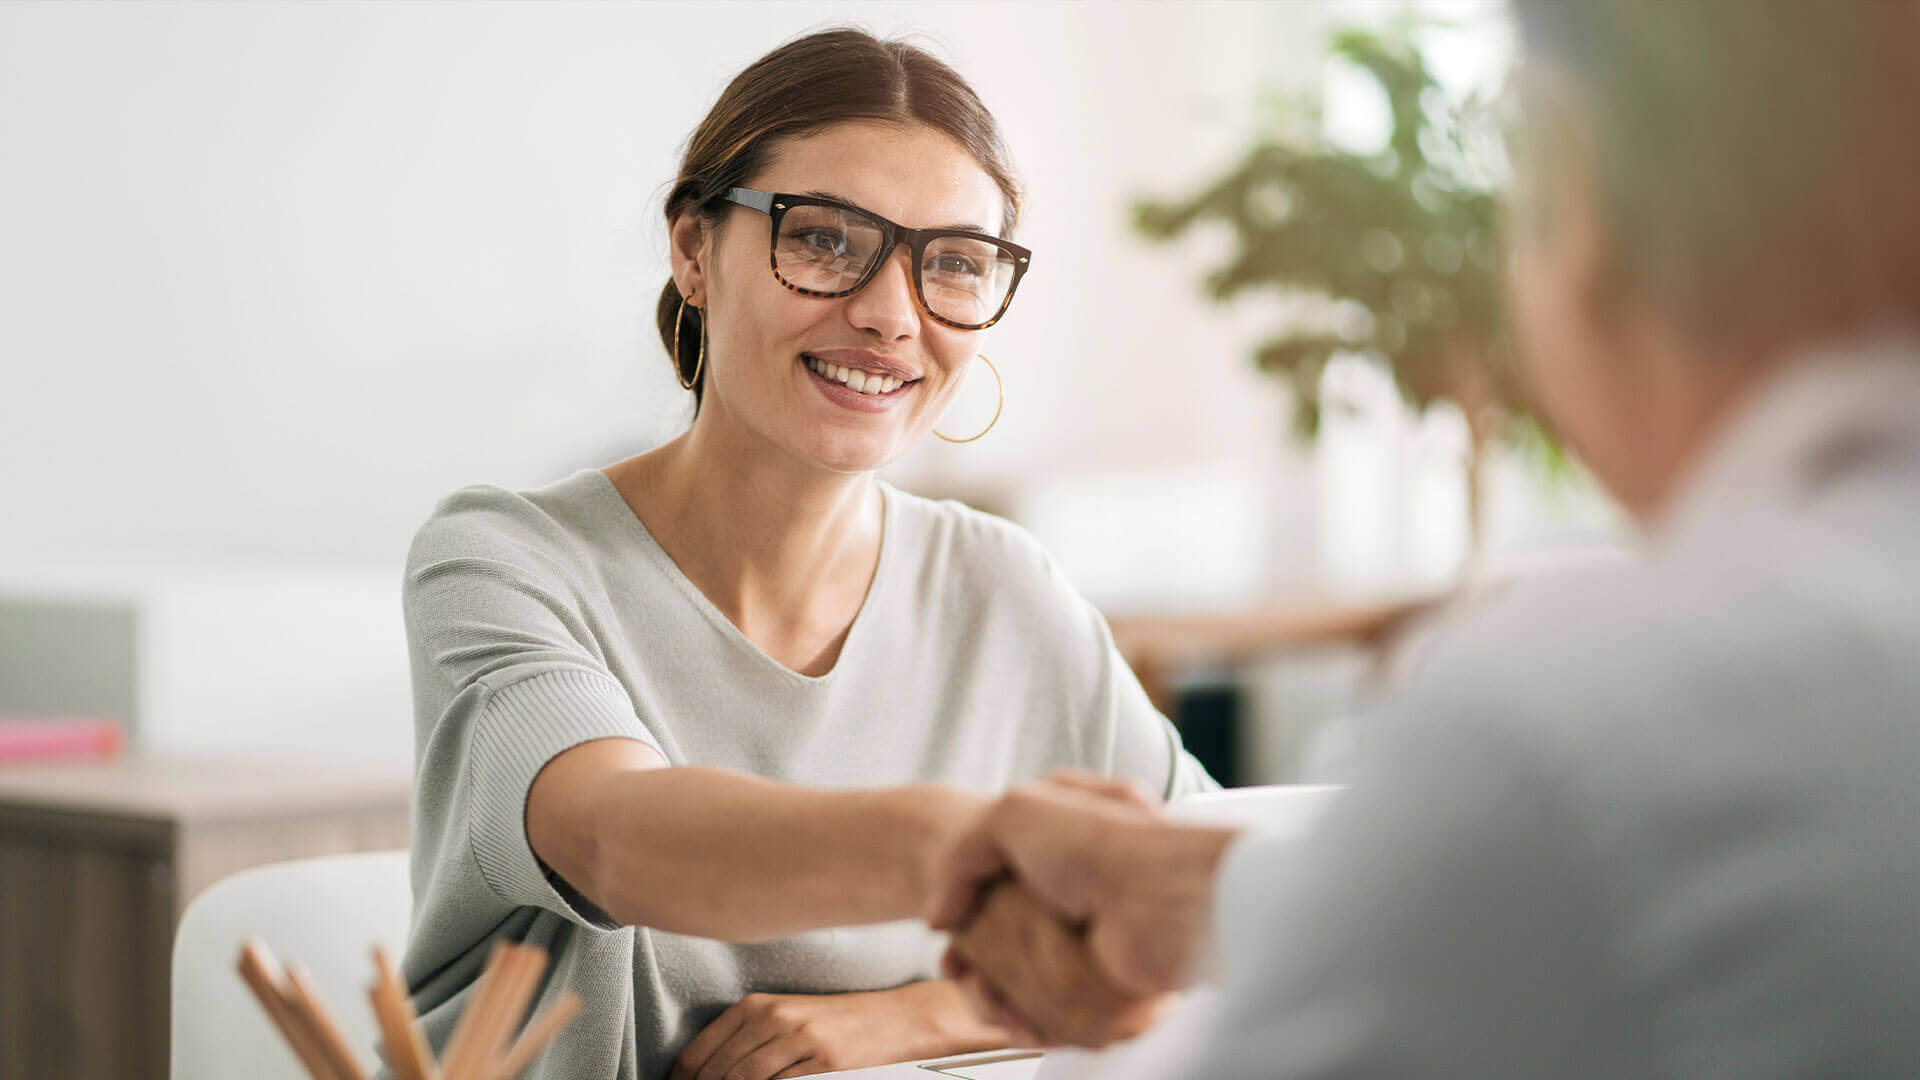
pixel 651 547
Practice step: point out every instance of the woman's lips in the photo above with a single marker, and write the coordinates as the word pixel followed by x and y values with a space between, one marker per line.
pixel 863 360
pixel 849 398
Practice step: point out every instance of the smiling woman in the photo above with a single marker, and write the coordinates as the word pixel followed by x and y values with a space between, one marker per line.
pixel 827 79
pixel 678 716
pixel 775 283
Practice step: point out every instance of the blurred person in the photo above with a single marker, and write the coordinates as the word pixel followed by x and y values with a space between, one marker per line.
pixel 677 714
pixel 1652 820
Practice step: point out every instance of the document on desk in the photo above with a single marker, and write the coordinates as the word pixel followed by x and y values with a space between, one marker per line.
pixel 1024 1065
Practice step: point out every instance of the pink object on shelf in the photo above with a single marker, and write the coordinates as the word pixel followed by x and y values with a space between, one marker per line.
pixel 25 739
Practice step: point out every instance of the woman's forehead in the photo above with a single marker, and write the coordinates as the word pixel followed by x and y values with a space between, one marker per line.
pixel 914 175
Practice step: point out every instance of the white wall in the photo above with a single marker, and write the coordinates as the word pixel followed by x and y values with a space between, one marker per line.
pixel 274 277
pixel 277 276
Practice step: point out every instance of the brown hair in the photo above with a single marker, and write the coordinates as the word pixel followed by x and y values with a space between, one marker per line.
pixel 1757 157
pixel 802 86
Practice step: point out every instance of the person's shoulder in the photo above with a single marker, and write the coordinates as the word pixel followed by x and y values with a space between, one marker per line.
pixel 1611 651
pixel 962 539
pixel 1543 691
pixel 1571 623
pixel 536 526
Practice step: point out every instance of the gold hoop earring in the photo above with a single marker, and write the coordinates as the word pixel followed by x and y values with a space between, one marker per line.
pixel 1001 388
pixel 700 361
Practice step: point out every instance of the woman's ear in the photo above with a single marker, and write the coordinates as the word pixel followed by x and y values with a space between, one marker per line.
pixel 688 251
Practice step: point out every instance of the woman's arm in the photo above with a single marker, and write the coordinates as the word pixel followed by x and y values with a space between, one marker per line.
pixel 782 1035
pixel 726 855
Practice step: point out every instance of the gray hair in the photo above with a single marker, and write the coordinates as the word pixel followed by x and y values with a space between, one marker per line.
pixel 1759 160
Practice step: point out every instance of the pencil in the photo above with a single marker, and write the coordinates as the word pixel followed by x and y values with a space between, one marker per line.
pixel 406 1043
pixel 333 1044
pixel 524 979
pixel 258 969
pixel 483 1045
pixel 464 1054
pixel 538 1034
pixel 518 977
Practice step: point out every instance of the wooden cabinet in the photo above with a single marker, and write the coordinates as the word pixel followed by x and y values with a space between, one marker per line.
pixel 99 860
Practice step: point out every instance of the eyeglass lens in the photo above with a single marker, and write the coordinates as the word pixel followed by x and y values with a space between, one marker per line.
pixel 829 249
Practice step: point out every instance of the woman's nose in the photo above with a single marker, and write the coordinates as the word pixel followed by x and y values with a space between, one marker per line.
pixel 886 306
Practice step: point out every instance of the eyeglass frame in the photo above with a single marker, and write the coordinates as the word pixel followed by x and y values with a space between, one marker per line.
pixel 775 205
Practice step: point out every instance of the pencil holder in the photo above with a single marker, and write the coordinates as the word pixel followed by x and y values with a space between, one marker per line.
pixel 478 1049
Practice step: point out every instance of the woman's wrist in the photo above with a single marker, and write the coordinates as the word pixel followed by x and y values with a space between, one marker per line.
pixel 951 1024
pixel 926 819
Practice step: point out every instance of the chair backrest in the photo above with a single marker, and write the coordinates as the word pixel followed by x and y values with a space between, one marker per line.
pixel 323 913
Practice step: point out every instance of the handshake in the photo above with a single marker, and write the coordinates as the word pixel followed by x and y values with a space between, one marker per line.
pixel 1076 909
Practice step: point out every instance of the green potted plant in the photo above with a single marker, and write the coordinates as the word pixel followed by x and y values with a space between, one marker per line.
pixel 1399 244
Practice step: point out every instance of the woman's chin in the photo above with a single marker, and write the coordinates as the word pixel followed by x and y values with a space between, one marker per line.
pixel 854 456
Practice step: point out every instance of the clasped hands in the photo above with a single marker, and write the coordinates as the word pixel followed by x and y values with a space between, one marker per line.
pixel 1075 908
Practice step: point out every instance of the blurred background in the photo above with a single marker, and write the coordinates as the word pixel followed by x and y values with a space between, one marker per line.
pixel 277 277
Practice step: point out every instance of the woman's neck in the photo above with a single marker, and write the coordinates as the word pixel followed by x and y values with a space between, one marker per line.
pixel 776 544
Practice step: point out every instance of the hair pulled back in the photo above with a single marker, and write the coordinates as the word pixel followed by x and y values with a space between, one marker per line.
pixel 805 85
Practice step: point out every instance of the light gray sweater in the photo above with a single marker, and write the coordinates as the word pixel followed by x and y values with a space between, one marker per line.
pixel 1651 820
pixel 542 619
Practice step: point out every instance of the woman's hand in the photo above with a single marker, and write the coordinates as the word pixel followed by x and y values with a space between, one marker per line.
pixel 767 1036
pixel 1035 976
pixel 1137 888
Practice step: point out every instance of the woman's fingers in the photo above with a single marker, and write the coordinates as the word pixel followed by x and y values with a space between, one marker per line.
pixel 739 1047
pixel 770 1060
pixel 696 1054
pixel 1042 974
pixel 754 1030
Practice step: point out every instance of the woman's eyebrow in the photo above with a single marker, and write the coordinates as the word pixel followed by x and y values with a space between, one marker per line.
pixel 836 197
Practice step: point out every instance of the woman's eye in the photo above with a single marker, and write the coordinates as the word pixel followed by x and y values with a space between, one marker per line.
pixel 958 266
pixel 824 241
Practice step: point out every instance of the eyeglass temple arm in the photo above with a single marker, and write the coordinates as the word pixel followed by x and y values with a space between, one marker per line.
pixel 753 200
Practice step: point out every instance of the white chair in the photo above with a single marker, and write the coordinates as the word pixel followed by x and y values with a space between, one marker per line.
pixel 324 913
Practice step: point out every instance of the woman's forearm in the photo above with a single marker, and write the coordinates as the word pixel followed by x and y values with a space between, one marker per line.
pixel 727 855
pixel 955 1025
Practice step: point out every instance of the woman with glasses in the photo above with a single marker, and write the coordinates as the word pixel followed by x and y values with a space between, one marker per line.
pixel 680 716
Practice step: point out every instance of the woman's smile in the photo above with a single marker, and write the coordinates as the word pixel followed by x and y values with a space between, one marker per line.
pixel 859 381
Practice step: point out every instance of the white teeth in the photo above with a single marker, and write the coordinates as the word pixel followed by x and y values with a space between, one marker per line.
pixel 865 382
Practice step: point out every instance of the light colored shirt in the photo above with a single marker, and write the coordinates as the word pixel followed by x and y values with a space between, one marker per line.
pixel 1654 820
pixel 542 619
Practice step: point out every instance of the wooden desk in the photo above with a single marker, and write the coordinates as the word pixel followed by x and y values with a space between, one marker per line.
pixel 99 860
pixel 1157 646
